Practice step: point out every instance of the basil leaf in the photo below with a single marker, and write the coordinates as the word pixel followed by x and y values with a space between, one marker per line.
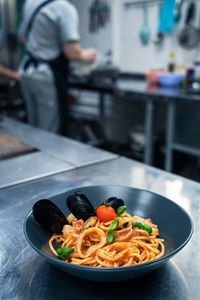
pixel 136 224
pixel 142 226
pixel 59 251
pixel 67 252
pixel 120 210
pixel 64 252
pixel 147 228
pixel 111 237
pixel 115 224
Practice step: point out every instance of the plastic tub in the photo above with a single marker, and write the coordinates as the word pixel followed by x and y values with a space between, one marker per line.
pixel 170 79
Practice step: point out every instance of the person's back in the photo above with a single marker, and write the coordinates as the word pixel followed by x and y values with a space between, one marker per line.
pixel 55 24
pixel 53 40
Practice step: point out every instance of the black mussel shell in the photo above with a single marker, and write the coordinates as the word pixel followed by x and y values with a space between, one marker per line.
pixel 45 202
pixel 114 202
pixel 80 206
pixel 49 216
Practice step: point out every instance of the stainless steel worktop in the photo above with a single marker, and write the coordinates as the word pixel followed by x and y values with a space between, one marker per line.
pixel 62 148
pixel 26 275
pixel 56 154
pixel 30 167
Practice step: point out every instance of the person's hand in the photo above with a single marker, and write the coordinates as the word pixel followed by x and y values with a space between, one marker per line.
pixel 17 76
pixel 89 55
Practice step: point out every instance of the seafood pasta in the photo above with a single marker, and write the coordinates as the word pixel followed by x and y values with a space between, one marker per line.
pixel 124 240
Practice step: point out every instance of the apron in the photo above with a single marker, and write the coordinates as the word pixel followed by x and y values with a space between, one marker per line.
pixel 60 69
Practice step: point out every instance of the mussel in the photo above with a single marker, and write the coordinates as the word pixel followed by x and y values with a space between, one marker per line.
pixel 49 216
pixel 80 206
pixel 114 202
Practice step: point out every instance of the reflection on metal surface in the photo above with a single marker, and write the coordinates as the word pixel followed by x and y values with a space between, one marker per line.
pixel 62 148
pixel 165 283
pixel 30 167
pixel 174 190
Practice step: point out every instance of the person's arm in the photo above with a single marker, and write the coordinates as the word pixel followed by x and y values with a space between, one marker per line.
pixel 9 73
pixel 68 29
pixel 74 52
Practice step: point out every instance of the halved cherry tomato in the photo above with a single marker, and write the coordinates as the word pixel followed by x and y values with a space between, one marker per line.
pixel 106 213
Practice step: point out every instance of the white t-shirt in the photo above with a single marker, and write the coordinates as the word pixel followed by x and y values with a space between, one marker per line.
pixel 55 24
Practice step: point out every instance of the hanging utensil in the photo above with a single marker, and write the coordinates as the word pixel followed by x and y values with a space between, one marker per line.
pixel 145 32
pixel 166 21
pixel 189 35
pixel 177 11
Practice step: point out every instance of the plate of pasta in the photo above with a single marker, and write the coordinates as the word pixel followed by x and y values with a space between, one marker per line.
pixel 107 232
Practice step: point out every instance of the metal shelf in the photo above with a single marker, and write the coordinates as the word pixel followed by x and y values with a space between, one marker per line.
pixel 186 149
pixel 130 4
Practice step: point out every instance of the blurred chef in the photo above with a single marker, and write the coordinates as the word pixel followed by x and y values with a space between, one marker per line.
pixel 49 31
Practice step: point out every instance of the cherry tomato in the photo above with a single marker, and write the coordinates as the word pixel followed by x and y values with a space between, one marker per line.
pixel 106 213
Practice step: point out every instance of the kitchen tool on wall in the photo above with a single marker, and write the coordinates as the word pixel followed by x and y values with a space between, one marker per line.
pixel 189 35
pixel 178 10
pixel 99 15
pixel 166 21
pixel 145 32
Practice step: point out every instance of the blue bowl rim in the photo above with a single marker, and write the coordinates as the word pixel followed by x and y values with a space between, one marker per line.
pixel 57 261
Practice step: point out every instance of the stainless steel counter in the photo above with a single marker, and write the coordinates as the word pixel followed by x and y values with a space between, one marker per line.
pixel 25 275
pixel 30 167
pixel 56 154
pixel 62 148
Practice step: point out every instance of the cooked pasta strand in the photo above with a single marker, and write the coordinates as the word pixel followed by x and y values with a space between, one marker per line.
pixel 132 246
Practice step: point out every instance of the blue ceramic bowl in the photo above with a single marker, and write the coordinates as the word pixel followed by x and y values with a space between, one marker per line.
pixel 170 79
pixel 174 224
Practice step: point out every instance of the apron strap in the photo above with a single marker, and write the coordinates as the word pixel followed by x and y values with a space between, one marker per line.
pixel 31 21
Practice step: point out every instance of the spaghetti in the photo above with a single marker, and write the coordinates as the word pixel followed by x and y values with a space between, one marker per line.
pixel 90 246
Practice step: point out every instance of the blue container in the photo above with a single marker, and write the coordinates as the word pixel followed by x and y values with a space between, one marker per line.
pixel 170 79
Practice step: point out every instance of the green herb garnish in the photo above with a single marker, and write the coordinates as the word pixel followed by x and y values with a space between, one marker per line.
pixel 142 226
pixel 137 224
pixel 115 224
pixel 111 237
pixel 147 228
pixel 120 210
pixel 64 253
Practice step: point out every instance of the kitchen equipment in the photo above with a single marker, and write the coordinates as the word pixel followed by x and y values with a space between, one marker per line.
pixel 166 21
pixel 152 76
pixel 99 15
pixel 175 227
pixel 170 79
pixel 189 35
pixel 177 11
pixel 145 32
pixel 197 70
pixel 172 62
pixel 159 36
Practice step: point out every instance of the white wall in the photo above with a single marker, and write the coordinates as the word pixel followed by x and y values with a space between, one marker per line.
pixel 139 58
pixel 122 35
pixel 103 40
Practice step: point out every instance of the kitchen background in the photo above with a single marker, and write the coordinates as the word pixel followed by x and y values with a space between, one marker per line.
pixel 121 35
pixel 118 42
